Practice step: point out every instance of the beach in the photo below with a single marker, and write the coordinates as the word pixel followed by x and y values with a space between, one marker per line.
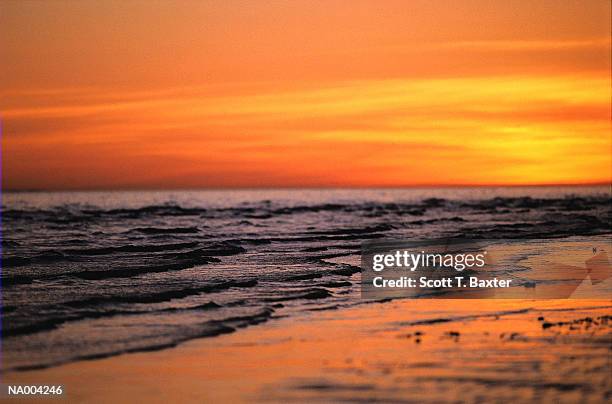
pixel 400 351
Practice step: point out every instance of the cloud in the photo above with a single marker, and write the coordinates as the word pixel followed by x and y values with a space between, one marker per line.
pixel 507 129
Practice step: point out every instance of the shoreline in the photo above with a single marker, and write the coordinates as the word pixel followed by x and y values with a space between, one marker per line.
pixel 378 351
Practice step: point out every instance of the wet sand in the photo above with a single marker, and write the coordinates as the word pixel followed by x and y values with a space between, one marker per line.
pixel 400 351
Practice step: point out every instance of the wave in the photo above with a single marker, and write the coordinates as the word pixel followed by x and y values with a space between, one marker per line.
pixel 207 329
pixel 54 322
pixel 136 271
pixel 164 230
pixel 131 248
pixel 264 210
pixel 308 294
pixel 161 296
pixel 120 267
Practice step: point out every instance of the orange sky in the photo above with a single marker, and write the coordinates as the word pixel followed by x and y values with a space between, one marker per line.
pixel 304 93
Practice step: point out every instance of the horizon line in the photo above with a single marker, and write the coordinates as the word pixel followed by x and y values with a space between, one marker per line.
pixel 297 187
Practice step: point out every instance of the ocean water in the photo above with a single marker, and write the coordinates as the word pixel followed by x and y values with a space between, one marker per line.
pixel 93 274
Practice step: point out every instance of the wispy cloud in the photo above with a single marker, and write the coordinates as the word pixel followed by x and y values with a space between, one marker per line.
pixel 460 130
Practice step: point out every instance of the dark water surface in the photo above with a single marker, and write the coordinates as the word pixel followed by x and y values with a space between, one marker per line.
pixel 93 274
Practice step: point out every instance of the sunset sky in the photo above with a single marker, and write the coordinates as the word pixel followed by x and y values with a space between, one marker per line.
pixel 181 94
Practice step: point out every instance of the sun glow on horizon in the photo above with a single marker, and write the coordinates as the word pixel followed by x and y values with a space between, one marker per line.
pixel 505 111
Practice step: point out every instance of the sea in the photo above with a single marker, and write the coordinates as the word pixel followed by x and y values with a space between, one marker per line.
pixel 88 275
